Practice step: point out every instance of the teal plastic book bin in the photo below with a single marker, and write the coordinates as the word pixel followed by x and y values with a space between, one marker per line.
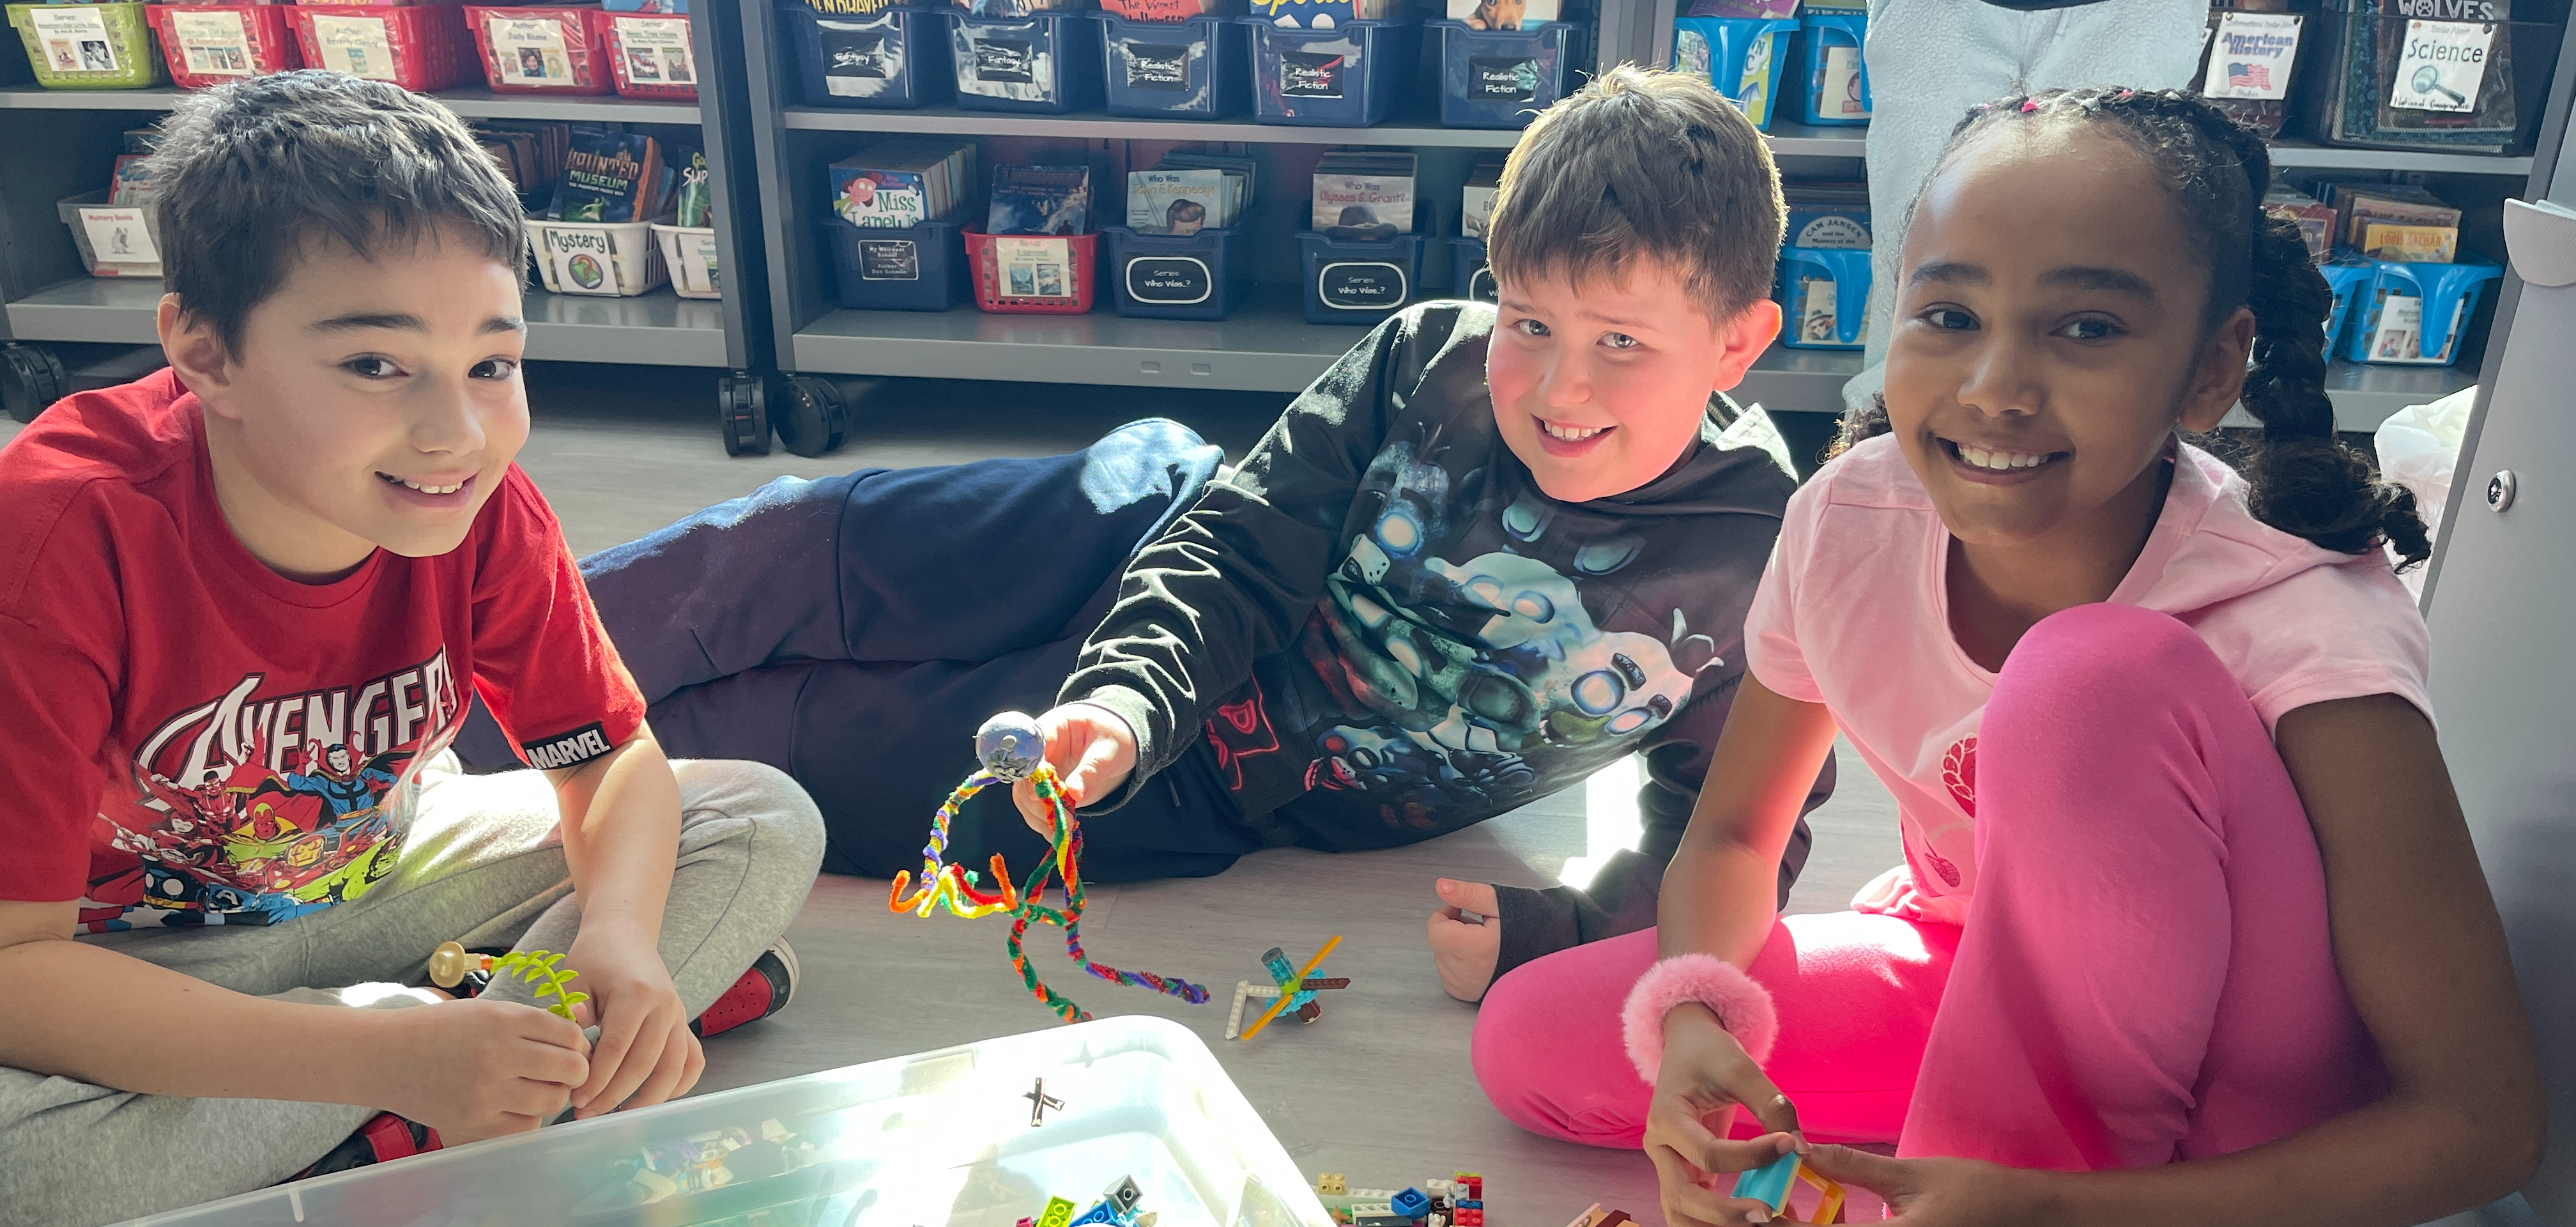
pixel 1824 297
pixel 1826 88
pixel 1744 57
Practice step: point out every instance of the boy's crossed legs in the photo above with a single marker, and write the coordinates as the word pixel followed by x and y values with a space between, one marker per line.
pixel 483 865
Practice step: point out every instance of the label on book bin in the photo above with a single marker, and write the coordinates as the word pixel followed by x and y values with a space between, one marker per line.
pixel 656 50
pixel 1157 66
pixel 2251 54
pixel 1361 285
pixel 74 38
pixel 1170 281
pixel 889 260
pixel 1839 96
pixel 2442 65
pixel 355 45
pixel 1308 74
pixel 531 50
pixel 583 259
pixel 1009 60
pixel 851 53
pixel 1034 268
pixel 1481 286
pixel 211 44
pixel 1499 78
pixel 119 236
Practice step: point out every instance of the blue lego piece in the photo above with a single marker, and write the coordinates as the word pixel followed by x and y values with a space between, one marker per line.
pixel 1471 1204
pixel 1770 1183
pixel 1411 1203
pixel 1275 961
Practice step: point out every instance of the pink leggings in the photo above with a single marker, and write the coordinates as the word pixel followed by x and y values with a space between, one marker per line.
pixel 2145 974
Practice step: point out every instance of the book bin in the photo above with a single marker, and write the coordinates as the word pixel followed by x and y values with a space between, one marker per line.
pixel 1828 79
pixel 87 46
pixel 542 50
pixel 1503 78
pixel 606 259
pixel 418 47
pixel 1202 276
pixel 650 56
pixel 1744 57
pixel 209 44
pixel 690 253
pixel 895 58
pixel 1048 64
pixel 1033 274
pixel 898 268
pixel 2414 314
pixel 1359 281
pixel 1343 77
pixel 1195 69
pixel 1469 276
pixel 1824 297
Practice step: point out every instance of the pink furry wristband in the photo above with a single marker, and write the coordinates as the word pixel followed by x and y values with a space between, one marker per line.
pixel 1742 1006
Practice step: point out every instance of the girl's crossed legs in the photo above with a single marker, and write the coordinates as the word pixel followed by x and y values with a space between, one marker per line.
pixel 2146 973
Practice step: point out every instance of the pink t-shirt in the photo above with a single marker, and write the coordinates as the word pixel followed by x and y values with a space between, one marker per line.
pixel 1853 613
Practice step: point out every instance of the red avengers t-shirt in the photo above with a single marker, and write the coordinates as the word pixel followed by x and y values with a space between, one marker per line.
pixel 187 737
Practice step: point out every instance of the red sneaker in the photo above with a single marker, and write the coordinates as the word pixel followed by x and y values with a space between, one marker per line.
pixel 384 1138
pixel 761 992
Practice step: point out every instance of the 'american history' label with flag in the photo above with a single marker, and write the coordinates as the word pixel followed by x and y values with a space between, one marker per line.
pixel 2251 54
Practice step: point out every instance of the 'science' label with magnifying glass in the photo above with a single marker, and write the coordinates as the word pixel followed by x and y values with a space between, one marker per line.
pixel 2442 65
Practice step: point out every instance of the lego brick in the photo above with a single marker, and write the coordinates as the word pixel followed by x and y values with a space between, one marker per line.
pixel 1411 1203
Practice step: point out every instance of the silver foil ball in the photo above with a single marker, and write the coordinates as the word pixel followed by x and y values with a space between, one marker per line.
pixel 1010 746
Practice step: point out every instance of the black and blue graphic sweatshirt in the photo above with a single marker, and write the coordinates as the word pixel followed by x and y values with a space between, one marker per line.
pixel 1383 631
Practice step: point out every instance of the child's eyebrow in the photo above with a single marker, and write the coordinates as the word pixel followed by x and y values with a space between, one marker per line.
pixel 1950 272
pixel 404 321
pixel 2108 280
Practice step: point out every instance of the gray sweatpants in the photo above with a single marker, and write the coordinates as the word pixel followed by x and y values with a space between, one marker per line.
pixel 483 865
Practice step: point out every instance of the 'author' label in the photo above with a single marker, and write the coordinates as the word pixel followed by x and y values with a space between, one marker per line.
pixel 1361 285
pixel 1307 74
pixel 1157 66
pixel 889 260
pixel 1170 281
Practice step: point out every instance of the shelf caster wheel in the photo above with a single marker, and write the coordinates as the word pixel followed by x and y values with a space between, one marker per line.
pixel 742 412
pixel 814 420
pixel 31 378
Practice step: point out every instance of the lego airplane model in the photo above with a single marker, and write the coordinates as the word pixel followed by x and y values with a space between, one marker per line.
pixel 1290 991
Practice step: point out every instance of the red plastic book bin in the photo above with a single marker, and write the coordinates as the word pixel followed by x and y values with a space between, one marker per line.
pixel 419 47
pixel 209 44
pixel 542 50
pixel 650 56
pixel 1033 274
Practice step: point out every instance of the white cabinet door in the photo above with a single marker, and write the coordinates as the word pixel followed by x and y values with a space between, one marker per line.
pixel 2502 608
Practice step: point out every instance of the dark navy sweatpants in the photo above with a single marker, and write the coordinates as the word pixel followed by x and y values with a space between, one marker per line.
pixel 855 631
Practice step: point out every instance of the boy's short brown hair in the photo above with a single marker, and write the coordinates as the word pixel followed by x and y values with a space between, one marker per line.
pixel 1643 163
pixel 249 171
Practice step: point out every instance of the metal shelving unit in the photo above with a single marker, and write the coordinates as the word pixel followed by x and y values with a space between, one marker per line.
pixel 60 140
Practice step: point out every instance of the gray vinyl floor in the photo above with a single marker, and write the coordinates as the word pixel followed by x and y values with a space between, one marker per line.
pixel 1380 1088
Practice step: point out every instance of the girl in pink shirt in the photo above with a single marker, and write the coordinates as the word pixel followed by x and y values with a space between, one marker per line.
pixel 2186 891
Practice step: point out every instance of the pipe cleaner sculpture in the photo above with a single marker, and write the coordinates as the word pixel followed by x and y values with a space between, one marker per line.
pixel 449 964
pixel 1011 749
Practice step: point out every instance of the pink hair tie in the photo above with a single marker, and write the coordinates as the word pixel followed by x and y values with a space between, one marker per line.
pixel 1742 1006
pixel 2029 106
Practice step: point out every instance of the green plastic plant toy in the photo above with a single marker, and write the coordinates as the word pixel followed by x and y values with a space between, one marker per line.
pixel 538 967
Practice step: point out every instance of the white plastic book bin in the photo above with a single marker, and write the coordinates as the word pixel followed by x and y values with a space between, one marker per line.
pixel 689 252
pixel 942 1138
pixel 607 259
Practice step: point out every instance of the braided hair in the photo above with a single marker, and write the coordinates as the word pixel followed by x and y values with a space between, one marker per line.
pixel 2302 479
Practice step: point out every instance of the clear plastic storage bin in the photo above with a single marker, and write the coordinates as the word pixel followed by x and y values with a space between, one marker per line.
pixel 895 58
pixel 1195 69
pixel 1345 77
pixel 942 1138
pixel 1503 78
pixel 1047 64
pixel 88 46
pixel 898 268
pixel 1744 57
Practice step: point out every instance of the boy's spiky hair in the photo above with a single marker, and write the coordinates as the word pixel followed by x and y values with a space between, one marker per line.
pixel 249 171
pixel 1642 163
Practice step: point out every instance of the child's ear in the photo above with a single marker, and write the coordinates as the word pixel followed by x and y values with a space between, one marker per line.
pixel 189 343
pixel 2219 381
pixel 1742 338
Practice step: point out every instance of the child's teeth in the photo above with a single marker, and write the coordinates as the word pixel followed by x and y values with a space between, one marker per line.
pixel 1983 459
pixel 1571 434
pixel 425 489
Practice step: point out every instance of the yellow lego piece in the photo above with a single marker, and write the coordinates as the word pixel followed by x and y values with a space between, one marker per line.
pixel 1330 1183
pixel 1058 1213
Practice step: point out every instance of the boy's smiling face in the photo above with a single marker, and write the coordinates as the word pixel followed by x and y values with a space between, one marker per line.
pixel 1600 385
pixel 372 402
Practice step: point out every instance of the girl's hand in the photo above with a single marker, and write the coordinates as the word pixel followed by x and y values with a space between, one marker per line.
pixel 1705 1076
pixel 646 1053
pixel 1938 1192
pixel 1092 751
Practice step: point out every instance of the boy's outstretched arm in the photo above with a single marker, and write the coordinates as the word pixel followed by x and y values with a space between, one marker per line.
pixel 620 815
pixel 469 1069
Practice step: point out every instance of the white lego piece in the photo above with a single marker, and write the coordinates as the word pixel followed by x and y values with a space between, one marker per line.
pixel 1245 991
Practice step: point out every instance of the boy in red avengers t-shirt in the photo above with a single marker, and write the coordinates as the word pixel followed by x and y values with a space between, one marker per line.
pixel 243 605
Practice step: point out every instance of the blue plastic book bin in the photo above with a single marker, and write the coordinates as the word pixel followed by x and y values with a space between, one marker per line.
pixel 1824 295
pixel 1360 281
pixel 1468 275
pixel 2447 296
pixel 1744 57
pixel 1195 69
pixel 893 58
pixel 1043 65
pixel 2346 274
pixel 1202 276
pixel 1345 77
pixel 899 268
pixel 1502 78
pixel 1815 96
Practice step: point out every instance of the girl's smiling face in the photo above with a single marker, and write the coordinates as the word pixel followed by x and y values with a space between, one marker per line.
pixel 2050 332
